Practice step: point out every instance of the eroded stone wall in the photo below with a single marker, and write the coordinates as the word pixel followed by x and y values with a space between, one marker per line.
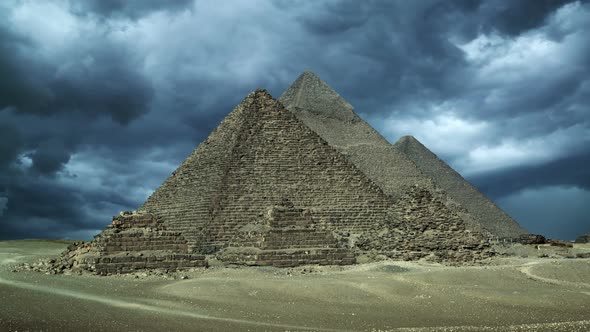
pixel 426 228
pixel 132 242
pixel 287 236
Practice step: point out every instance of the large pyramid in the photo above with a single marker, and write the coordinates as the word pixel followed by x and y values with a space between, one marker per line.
pixel 266 189
pixel 395 168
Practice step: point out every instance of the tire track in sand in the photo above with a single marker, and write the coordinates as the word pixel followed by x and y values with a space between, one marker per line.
pixel 526 270
pixel 152 308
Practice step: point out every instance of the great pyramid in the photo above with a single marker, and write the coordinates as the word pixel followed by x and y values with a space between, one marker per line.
pixel 395 168
pixel 265 189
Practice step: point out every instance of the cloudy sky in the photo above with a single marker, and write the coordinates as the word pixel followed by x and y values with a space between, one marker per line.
pixel 100 100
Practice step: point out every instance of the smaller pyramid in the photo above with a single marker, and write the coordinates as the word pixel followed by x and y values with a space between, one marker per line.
pixel 133 241
pixel 486 212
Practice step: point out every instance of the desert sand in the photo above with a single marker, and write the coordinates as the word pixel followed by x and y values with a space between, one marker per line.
pixel 508 294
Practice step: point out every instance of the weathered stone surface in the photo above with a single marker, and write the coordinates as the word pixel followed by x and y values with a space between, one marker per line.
pixel 287 236
pixel 133 241
pixel 271 157
pixel 426 228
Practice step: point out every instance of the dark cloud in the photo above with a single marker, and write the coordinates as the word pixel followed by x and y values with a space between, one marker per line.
pixel 16 85
pixel 11 143
pixel 132 9
pixel 40 207
pixel 37 205
pixel 559 212
pixel 37 200
pixel 96 111
pixel 517 16
pixel 3 203
pixel 108 84
pixel 568 171
pixel 398 50
pixel 49 157
pixel 335 17
pixel 94 78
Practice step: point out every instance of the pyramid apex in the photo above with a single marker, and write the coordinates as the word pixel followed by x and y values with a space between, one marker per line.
pixel 309 93
pixel 309 74
pixel 408 138
pixel 409 142
pixel 259 97
pixel 260 93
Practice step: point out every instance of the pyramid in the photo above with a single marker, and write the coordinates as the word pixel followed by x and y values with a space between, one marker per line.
pixel 395 168
pixel 265 189
pixel 262 171
pixel 328 114
pixel 486 212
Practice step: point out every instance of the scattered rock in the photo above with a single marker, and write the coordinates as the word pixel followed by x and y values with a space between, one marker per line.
pixel 559 243
pixel 585 238
pixel 532 239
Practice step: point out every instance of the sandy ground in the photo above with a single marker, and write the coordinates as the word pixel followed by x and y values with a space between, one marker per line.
pixel 516 294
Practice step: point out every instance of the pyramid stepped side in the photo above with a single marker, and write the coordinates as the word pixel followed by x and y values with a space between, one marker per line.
pixel 286 189
pixel 131 242
pixel 488 214
pixel 292 227
pixel 187 198
pixel 333 118
pixel 277 158
pixel 286 236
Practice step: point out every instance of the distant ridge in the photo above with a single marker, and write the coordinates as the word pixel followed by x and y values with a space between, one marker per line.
pixel 482 208
pixel 395 168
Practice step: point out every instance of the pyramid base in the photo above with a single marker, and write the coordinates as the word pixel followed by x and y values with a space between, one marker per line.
pixel 137 261
pixel 286 257
pixel 82 258
pixel 133 242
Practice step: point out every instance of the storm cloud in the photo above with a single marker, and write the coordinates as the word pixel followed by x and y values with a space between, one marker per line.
pixel 101 100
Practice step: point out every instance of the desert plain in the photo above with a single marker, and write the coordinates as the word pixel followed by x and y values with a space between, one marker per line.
pixel 531 290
